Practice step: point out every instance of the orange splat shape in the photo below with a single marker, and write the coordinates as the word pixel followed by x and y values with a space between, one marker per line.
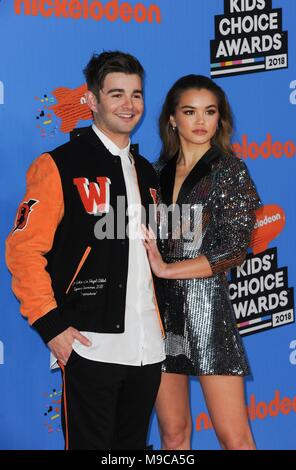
pixel 270 221
pixel 71 107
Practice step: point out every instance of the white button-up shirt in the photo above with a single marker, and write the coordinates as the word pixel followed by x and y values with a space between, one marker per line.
pixel 142 342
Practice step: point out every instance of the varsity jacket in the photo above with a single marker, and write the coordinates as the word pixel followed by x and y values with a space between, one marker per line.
pixel 65 273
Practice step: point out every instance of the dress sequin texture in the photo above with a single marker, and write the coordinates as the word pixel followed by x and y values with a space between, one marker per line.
pixel 201 332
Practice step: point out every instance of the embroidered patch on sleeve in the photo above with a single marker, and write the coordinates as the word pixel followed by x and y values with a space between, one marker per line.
pixel 23 214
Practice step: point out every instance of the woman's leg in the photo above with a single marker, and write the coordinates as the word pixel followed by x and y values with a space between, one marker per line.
pixel 173 412
pixel 225 400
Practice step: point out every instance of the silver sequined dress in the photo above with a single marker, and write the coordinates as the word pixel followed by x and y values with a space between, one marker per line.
pixel 201 333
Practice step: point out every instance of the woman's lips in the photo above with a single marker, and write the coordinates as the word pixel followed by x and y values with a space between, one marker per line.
pixel 199 131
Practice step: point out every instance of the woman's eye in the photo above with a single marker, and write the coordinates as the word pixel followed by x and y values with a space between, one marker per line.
pixel 189 113
pixel 211 112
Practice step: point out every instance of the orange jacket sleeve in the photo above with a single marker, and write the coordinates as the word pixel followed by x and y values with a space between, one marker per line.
pixel 36 222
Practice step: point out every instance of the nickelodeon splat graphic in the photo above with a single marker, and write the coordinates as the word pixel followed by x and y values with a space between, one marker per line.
pixel 71 107
pixel 62 111
pixel 259 288
pixel 46 121
pixel 52 413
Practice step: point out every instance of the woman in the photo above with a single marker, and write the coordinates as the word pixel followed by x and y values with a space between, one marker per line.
pixel 198 169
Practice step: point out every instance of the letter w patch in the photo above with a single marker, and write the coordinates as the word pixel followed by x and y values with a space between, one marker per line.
pixel 95 197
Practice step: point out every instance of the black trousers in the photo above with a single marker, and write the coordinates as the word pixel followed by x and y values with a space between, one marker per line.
pixel 107 406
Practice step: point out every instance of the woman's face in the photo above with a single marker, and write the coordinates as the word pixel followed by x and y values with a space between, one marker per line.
pixel 196 117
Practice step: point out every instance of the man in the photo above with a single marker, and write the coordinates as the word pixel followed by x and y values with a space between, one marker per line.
pixel 91 297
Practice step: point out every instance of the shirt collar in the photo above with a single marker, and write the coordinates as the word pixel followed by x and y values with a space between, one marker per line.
pixel 111 146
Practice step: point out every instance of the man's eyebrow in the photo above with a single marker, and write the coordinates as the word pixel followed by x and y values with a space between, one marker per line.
pixel 120 90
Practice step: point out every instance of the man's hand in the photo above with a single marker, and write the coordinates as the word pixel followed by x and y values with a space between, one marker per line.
pixel 61 345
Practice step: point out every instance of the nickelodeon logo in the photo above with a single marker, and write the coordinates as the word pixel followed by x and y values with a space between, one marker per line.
pixel 270 221
pixel 260 410
pixel 85 9
pixel 267 149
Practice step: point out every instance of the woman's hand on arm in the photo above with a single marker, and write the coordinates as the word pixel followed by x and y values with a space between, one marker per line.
pixel 157 264
pixel 188 269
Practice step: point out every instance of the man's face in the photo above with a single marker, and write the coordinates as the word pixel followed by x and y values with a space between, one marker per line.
pixel 120 105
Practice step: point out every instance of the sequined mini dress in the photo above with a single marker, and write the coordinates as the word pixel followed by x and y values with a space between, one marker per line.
pixel 217 203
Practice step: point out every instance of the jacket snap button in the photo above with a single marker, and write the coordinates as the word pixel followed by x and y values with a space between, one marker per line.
pixel 117 326
pixel 120 286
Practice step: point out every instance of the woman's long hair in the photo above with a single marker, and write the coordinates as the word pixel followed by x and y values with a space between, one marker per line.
pixel 170 138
